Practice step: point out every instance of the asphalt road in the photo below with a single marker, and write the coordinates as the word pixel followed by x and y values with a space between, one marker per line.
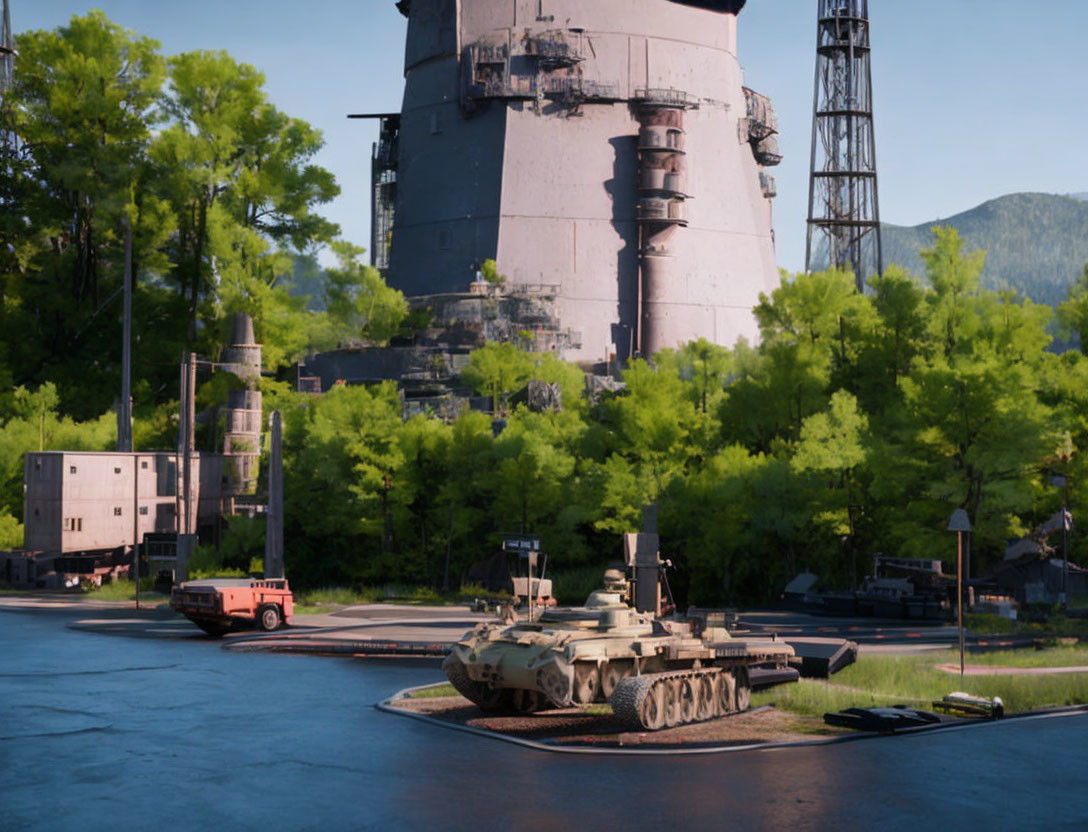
pixel 101 732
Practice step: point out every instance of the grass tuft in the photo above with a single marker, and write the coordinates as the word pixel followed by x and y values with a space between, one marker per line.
pixel 126 591
pixel 433 692
pixel 915 681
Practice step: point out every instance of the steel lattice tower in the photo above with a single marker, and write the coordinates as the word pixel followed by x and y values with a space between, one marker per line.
pixel 8 140
pixel 7 50
pixel 844 213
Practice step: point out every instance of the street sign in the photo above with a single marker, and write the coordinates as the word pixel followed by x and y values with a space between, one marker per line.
pixel 959 522
pixel 521 544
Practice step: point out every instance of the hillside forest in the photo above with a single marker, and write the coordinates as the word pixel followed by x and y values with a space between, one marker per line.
pixel 855 427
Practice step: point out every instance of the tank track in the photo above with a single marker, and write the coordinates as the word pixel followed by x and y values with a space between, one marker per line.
pixel 654 701
pixel 476 692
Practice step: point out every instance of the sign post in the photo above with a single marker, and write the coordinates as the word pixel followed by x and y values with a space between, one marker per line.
pixel 959 523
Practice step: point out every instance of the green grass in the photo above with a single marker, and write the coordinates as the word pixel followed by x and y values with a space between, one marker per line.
pixel 1057 625
pixel 988 623
pixel 126 591
pixel 433 692
pixel 330 599
pixel 915 681
pixel 1062 656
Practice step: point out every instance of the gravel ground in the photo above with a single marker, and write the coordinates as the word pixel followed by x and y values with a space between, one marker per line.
pixel 572 726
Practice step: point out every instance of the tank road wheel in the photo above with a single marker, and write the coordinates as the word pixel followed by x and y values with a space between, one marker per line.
pixel 268 617
pixel 587 682
pixel 707 705
pixel 743 689
pixel 727 687
pixel 528 701
pixel 639 704
pixel 653 707
pixel 671 688
pixel 688 699
pixel 613 673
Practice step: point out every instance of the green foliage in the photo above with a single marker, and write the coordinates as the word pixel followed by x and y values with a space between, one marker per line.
pixel 489 271
pixel 220 191
pixel 856 426
pixel 1035 243
pixel 31 422
pixel 1073 311
pixel 360 305
pixel 497 370
pixel 11 532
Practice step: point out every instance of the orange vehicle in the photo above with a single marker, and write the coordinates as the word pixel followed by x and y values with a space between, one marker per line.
pixel 217 605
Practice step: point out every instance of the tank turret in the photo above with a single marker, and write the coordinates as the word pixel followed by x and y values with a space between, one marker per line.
pixel 655 672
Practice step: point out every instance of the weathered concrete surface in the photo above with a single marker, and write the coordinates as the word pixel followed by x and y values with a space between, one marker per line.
pixel 549 186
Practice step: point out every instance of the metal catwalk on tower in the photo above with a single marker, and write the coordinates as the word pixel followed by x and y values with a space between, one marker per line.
pixel 606 153
pixel 844 213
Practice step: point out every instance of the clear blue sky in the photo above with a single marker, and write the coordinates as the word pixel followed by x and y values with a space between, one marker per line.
pixel 974 98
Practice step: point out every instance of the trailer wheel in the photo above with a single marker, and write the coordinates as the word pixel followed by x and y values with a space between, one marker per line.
pixel 268 617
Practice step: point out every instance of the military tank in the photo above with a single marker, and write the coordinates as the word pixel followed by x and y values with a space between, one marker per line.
pixel 656 673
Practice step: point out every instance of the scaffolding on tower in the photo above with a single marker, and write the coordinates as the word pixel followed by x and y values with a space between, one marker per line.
pixel 844 213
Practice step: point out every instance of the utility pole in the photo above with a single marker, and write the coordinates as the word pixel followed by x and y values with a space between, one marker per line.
pixel 124 412
pixel 186 442
pixel 273 539
pixel 959 523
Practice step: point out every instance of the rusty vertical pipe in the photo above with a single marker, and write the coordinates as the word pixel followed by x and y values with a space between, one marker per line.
pixel 661 212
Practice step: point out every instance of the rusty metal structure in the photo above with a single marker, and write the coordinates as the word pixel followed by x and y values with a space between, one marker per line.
pixel 536 133
pixel 383 191
pixel 844 211
pixel 242 440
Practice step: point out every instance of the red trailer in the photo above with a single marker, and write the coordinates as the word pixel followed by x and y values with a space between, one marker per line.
pixel 218 604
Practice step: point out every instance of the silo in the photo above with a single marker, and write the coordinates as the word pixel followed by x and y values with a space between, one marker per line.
pixel 242 437
pixel 528 134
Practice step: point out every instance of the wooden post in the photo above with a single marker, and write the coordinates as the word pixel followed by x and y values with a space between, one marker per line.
pixel 959 592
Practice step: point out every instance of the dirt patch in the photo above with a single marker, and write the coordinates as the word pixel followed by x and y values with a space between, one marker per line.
pixel 575 727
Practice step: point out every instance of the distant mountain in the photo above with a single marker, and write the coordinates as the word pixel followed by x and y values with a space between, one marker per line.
pixel 1035 243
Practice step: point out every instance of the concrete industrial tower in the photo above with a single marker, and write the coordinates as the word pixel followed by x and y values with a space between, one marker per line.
pixel 604 152
pixel 844 212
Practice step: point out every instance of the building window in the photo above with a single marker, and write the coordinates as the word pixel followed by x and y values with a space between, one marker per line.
pixel 444 238
pixel 117 470
pixel 144 464
pixel 73 524
pixel 116 511
pixel 143 510
pixel 79 524
pixel 71 469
